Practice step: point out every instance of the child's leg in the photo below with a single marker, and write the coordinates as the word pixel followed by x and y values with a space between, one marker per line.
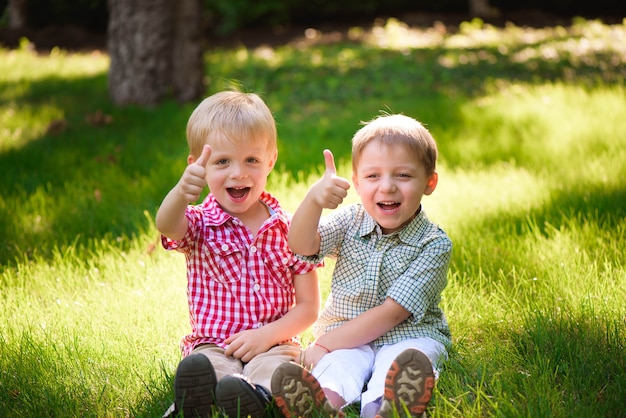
pixel 260 369
pixel 335 381
pixel 345 371
pixel 222 364
pixel 371 398
pixel 248 394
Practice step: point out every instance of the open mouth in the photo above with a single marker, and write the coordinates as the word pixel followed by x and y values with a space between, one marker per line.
pixel 388 207
pixel 238 193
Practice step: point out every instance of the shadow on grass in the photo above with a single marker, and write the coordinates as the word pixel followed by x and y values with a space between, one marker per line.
pixel 582 354
pixel 564 362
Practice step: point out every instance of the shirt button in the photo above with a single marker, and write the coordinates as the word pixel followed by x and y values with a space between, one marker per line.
pixel 252 249
pixel 259 325
pixel 224 247
pixel 285 260
pixel 257 287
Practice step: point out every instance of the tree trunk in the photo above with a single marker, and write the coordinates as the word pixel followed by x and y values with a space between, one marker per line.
pixel 187 64
pixel 153 44
pixel 480 8
pixel 17 14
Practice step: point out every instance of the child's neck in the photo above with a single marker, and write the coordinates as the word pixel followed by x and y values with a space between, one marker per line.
pixel 255 217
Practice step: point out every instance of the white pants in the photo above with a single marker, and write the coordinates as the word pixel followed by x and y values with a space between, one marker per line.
pixel 346 371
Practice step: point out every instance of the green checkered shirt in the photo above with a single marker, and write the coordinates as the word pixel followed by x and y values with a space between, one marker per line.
pixel 410 266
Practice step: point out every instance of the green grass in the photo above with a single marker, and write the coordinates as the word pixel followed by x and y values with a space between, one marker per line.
pixel 532 133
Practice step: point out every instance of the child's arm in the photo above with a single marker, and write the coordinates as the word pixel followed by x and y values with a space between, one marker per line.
pixel 247 344
pixel 327 193
pixel 431 267
pixel 170 218
pixel 363 329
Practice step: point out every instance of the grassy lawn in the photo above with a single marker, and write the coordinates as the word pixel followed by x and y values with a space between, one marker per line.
pixel 531 125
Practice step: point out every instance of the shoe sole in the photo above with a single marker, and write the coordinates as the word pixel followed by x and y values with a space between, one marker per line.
pixel 239 399
pixel 408 385
pixel 194 386
pixel 297 393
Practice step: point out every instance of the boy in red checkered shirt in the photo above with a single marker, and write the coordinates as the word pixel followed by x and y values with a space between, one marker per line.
pixel 249 297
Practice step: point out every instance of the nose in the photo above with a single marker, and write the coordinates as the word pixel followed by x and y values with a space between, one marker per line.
pixel 387 184
pixel 238 171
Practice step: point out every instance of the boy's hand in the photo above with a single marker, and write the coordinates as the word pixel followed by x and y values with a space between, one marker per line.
pixel 329 191
pixel 312 355
pixel 245 345
pixel 193 179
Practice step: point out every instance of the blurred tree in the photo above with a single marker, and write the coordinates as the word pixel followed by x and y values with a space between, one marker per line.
pixel 482 9
pixel 156 50
pixel 17 14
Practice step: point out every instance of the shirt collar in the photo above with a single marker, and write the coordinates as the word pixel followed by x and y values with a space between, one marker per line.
pixel 410 234
pixel 214 215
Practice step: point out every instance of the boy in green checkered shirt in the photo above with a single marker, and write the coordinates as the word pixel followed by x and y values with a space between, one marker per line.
pixel 382 325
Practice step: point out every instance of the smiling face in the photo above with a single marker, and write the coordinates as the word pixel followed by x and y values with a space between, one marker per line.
pixel 240 129
pixel 236 174
pixel 391 182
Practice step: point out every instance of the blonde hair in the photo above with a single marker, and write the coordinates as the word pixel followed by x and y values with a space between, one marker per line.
pixel 233 115
pixel 397 130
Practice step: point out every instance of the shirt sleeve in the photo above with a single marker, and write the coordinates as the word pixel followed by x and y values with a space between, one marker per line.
pixel 332 229
pixel 303 265
pixel 194 221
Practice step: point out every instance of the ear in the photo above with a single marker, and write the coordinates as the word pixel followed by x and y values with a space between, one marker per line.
pixel 191 159
pixel 272 161
pixel 431 183
pixel 355 181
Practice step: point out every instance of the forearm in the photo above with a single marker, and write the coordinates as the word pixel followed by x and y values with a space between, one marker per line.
pixel 366 327
pixel 170 218
pixel 305 311
pixel 295 322
pixel 303 237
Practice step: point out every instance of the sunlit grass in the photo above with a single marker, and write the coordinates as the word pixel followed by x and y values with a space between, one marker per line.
pixel 24 64
pixel 530 125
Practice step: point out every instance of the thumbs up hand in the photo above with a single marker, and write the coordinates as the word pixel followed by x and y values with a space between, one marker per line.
pixel 329 191
pixel 193 179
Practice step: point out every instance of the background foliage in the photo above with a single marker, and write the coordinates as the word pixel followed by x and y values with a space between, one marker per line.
pixel 225 16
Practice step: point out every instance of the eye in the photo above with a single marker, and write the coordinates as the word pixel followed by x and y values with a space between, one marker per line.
pixel 404 175
pixel 252 160
pixel 221 162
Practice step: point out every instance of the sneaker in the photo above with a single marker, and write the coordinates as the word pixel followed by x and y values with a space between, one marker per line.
pixel 239 397
pixel 194 386
pixel 408 386
pixel 298 393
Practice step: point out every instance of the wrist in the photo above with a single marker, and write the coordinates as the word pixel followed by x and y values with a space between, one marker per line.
pixel 323 347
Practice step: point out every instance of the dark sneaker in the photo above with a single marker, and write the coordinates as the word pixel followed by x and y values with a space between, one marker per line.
pixel 239 397
pixel 408 386
pixel 194 386
pixel 297 393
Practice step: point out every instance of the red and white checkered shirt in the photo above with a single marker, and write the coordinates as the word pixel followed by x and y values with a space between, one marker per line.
pixel 235 282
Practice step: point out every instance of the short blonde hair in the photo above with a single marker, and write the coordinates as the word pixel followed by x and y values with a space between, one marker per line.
pixel 397 130
pixel 233 115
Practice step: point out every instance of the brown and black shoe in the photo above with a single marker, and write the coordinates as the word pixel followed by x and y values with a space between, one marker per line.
pixel 408 386
pixel 297 393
